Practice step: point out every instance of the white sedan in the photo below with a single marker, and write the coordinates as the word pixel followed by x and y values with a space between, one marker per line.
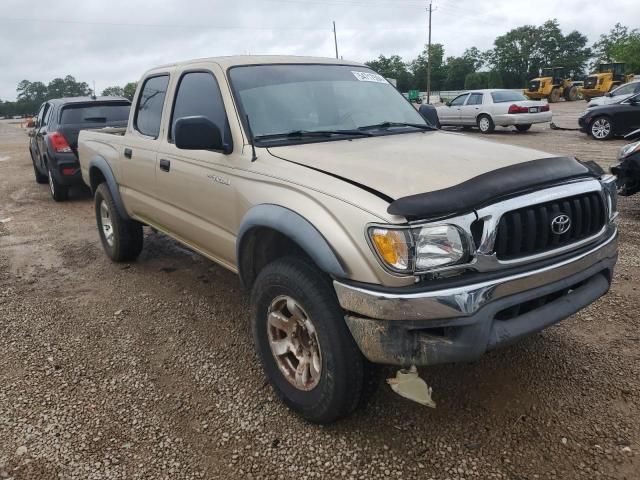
pixel 487 109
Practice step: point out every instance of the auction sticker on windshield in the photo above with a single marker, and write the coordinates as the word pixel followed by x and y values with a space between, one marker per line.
pixel 369 77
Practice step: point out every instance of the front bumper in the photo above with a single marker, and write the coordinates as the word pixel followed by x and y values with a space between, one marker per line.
pixel 460 324
pixel 509 119
pixel 591 92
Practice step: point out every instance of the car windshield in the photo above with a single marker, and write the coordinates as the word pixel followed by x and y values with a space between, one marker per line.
pixel 104 113
pixel 502 96
pixel 287 102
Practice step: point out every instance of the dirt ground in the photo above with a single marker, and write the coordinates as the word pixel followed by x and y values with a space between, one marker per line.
pixel 147 370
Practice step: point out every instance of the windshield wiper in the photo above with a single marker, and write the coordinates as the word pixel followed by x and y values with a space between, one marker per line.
pixel 398 124
pixel 314 133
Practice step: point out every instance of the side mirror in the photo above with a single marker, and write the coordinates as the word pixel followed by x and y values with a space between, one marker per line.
pixel 448 104
pixel 198 133
pixel 634 101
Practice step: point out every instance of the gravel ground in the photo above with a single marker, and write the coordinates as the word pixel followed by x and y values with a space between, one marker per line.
pixel 147 370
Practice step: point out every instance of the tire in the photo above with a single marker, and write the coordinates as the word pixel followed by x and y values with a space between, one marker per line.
pixel 571 94
pixel 601 128
pixel 338 377
pixel 125 241
pixel 40 178
pixel 59 193
pixel 485 124
pixel 523 128
pixel 555 95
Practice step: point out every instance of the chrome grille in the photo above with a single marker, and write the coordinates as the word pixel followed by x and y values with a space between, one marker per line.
pixel 528 231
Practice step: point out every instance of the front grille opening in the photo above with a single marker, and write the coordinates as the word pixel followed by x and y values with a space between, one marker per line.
pixel 528 231
pixel 477 228
pixel 531 305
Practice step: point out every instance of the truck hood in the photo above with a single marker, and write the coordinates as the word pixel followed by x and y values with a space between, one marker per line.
pixel 407 164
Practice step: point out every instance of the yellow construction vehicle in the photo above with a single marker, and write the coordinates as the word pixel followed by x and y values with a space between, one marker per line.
pixel 608 77
pixel 552 85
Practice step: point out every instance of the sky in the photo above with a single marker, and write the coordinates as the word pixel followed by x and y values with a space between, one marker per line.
pixel 113 42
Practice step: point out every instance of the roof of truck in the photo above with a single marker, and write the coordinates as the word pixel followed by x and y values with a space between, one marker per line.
pixel 233 60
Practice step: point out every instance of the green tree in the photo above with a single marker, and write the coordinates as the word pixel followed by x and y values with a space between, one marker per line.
pixel 129 90
pixel 114 91
pixel 619 45
pixel 494 80
pixel 438 69
pixel 457 70
pixel 393 67
pixel 476 81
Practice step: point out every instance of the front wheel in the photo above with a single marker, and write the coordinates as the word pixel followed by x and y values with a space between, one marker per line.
pixel 303 342
pixel 523 128
pixel 121 239
pixel 485 124
pixel 601 128
pixel 59 193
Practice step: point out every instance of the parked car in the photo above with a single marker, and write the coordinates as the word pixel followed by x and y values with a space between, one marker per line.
pixel 616 95
pixel 487 109
pixel 54 138
pixel 363 234
pixel 628 167
pixel 617 119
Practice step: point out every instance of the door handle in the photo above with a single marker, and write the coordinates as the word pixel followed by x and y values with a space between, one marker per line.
pixel 165 165
pixel 128 152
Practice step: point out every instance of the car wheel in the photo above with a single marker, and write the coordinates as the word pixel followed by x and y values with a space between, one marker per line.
pixel 601 128
pixel 40 178
pixel 303 342
pixel 121 239
pixel 59 193
pixel 523 128
pixel 485 124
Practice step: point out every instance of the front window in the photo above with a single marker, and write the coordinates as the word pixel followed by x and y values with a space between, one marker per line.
pixel 502 96
pixel 287 101
pixel 624 90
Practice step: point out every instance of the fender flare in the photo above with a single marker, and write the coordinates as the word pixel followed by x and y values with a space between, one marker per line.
pixel 103 166
pixel 295 227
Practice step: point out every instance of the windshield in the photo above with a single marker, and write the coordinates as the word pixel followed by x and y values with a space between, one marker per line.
pixel 281 99
pixel 104 113
pixel 507 96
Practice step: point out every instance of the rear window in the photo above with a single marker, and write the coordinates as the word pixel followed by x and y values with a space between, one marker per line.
pixel 105 113
pixel 507 96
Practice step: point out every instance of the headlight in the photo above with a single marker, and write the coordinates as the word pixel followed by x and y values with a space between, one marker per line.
pixel 629 150
pixel 611 193
pixel 418 249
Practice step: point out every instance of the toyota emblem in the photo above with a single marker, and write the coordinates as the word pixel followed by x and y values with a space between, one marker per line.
pixel 561 224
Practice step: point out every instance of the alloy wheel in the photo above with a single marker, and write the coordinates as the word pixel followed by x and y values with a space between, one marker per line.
pixel 107 224
pixel 294 343
pixel 601 128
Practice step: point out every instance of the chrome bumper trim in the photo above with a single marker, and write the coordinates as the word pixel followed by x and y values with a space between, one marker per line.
pixel 467 300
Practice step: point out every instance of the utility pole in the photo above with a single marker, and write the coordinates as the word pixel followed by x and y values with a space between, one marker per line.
pixel 335 37
pixel 429 57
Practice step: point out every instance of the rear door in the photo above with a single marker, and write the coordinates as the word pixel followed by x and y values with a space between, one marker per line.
pixel 196 185
pixel 40 142
pixel 627 118
pixel 138 152
pixel 469 111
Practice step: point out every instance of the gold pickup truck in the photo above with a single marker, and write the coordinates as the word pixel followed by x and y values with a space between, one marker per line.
pixel 364 234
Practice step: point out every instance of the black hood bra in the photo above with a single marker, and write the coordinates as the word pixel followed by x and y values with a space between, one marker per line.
pixel 493 186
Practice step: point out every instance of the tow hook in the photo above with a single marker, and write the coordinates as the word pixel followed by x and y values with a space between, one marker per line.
pixel 409 385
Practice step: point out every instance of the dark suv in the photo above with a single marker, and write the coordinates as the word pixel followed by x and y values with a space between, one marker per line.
pixel 54 139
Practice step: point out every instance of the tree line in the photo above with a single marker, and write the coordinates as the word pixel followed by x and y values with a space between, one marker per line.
pixel 32 94
pixel 516 57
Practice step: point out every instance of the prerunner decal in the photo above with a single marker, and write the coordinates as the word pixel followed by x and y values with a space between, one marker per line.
pixel 369 77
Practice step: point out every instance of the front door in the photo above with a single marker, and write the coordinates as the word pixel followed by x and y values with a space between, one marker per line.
pixel 197 186
pixel 450 115
pixel 470 110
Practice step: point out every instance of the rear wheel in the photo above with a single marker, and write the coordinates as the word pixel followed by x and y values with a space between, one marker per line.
pixel 523 128
pixel 59 193
pixel 601 128
pixel 121 239
pixel 571 94
pixel 485 124
pixel 555 95
pixel 303 342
